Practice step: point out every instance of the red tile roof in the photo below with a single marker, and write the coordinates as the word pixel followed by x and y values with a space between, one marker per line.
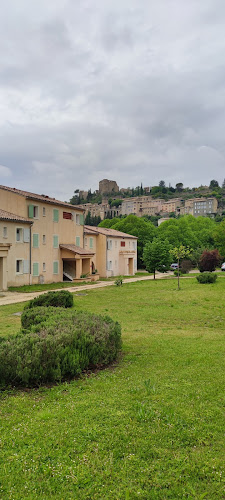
pixel 13 218
pixel 75 249
pixel 41 197
pixel 107 231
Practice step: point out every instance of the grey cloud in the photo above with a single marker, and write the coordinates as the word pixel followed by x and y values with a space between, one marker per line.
pixel 133 92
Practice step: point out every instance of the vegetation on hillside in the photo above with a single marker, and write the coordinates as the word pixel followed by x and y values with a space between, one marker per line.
pixel 197 233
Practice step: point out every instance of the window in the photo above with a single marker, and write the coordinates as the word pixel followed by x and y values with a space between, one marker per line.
pixel 26 235
pixel 109 265
pixel 78 241
pixel 55 241
pixel 122 243
pixel 19 266
pixel 109 244
pixel 5 232
pixel 134 245
pixel 35 212
pixel 67 215
pixel 56 267
pixel 19 234
pixel 35 269
pixel 55 215
pixel 91 242
pixel 85 242
pixel 35 240
pixel 115 244
pixel 43 212
pixel 78 219
pixel 44 239
pixel 44 267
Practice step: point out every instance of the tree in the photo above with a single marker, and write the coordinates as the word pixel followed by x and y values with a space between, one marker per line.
pixel 156 256
pixel 209 260
pixel 213 184
pixel 180 253
pixel 179 186
pixel 219 235
pixel 162 184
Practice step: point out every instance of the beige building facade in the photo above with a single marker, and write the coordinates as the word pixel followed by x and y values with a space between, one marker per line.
pixel 115 253
pixel 40 256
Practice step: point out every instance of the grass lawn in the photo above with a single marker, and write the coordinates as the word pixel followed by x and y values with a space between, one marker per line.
pixel 65 284
pixel 150 427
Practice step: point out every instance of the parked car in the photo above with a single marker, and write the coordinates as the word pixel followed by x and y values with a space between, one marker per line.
pixel 223 267
pixel 174 266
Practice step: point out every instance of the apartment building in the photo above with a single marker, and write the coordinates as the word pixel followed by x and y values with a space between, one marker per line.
pixel 41 239
pixel 172 205
pixel 141 205
pixel 200 207
pixel 115 253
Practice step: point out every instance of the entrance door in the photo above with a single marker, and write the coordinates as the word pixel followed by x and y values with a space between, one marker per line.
pixel 131 266
pixel 1 273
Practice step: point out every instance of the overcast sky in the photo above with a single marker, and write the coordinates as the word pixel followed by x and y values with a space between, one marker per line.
pixel 129 90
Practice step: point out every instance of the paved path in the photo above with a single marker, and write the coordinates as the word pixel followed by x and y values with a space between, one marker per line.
pixel 15 297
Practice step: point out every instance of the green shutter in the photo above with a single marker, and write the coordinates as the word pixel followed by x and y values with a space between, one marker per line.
pixel 31 211
pixel 56 267
pixel 35 269
pixel 55 215
pixel 78 241
pixel 55 241
pixel 91 242
pixel 35 240
pixel 81 220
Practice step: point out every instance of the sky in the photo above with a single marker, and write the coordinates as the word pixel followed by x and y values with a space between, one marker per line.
pixel 131 90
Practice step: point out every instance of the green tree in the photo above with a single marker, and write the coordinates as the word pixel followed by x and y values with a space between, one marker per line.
pixel 156 256
pixel 213 184
pixel 179 186
pixel 180 253
pixel 219 236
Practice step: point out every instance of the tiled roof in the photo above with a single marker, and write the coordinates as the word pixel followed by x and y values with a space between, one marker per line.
pixel 107 231
pixel 12 217
pixel 41 197
pixel 75 249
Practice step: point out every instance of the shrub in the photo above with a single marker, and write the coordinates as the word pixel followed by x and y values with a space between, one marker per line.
pixel 176 272
pixel 206 277
pixel 61 347
pixel 185 266
pixel 209 260
pixel 63 298
pixel 38 315
pixel 119 281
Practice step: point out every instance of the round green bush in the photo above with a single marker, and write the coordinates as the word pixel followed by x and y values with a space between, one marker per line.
pixel 61 347
pixel 206 277
pixel 63 298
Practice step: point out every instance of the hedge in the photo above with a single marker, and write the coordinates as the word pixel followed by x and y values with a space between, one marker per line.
pixel 63 298
pixel 61 347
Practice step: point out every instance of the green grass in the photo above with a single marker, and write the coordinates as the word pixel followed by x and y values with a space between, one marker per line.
pixel 150 427
pixel 48 286
pixel 65 284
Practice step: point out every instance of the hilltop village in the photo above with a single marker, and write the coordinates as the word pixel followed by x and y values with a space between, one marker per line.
pixel 158 201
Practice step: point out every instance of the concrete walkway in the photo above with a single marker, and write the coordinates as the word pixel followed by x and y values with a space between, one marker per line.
pixel 15 297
